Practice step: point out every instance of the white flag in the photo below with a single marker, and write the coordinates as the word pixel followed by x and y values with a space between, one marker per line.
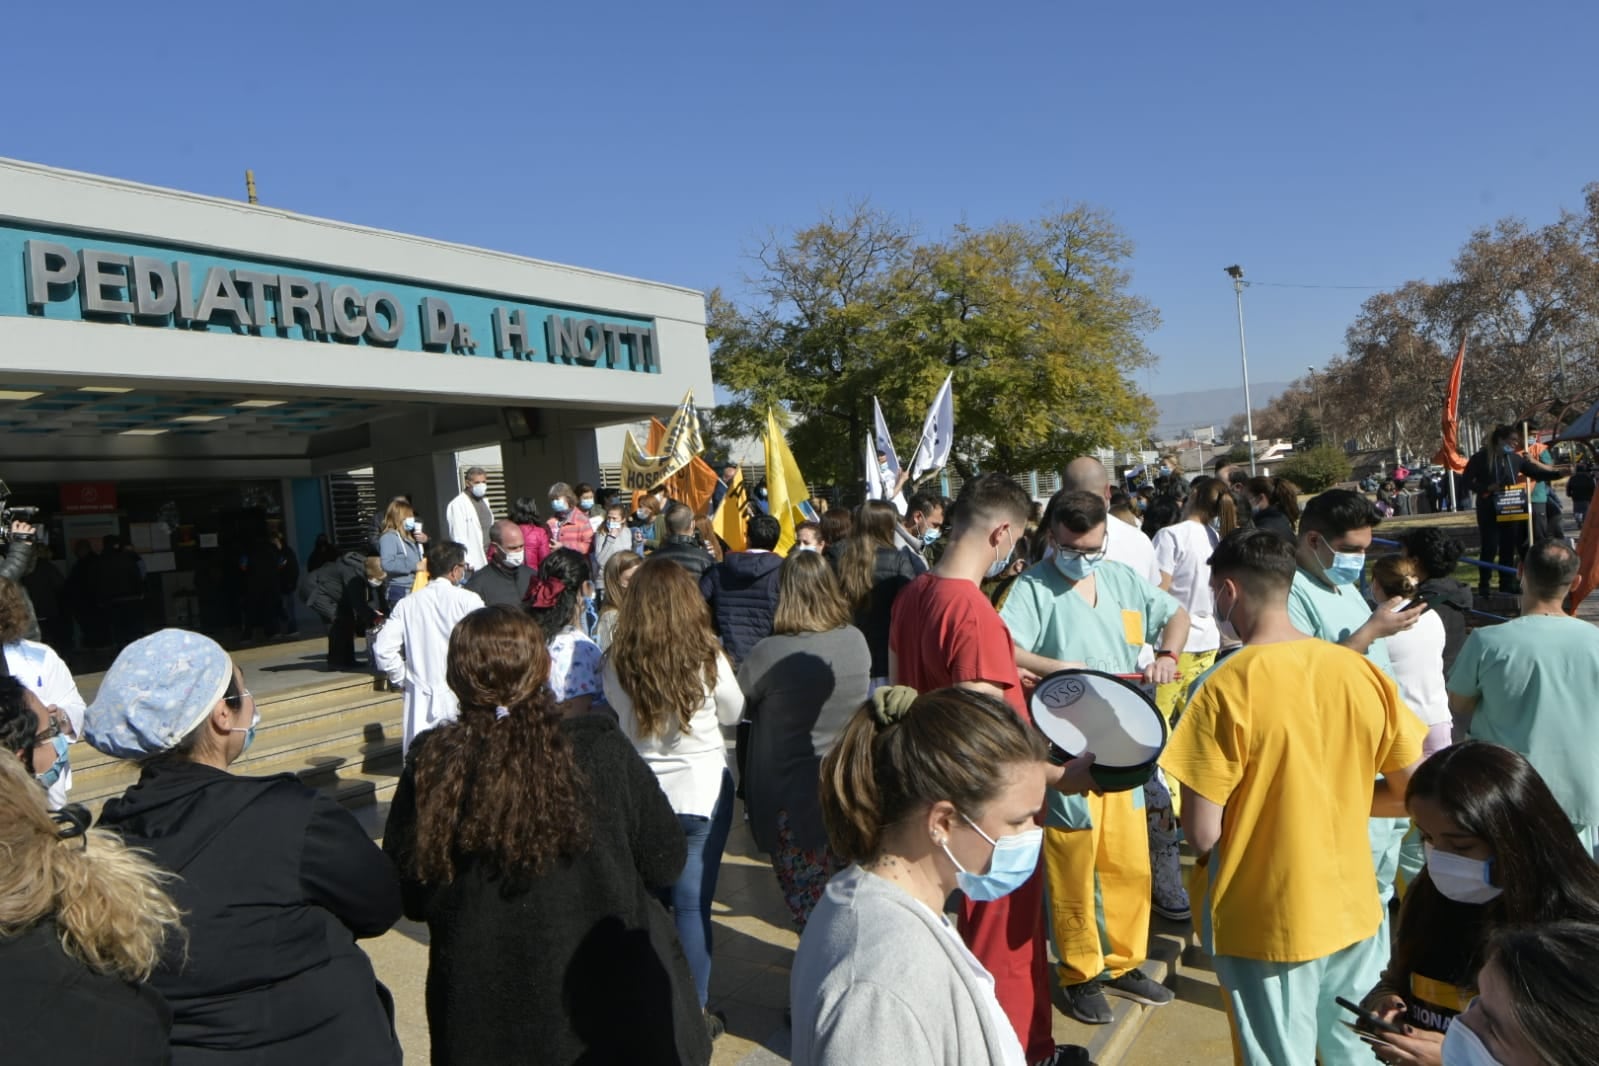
pixel 938 433
pixel 874 480
pixel 888 480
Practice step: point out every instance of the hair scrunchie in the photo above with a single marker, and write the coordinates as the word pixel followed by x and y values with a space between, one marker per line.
pixel 544 592
pixel 891 703
pixel 73 820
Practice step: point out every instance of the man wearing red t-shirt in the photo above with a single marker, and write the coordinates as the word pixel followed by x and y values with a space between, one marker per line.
pixel 945 633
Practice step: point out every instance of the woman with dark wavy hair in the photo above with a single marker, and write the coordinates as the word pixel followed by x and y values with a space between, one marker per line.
pixel 530 844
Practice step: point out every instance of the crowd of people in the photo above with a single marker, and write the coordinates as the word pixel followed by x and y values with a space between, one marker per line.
pixel 1384 803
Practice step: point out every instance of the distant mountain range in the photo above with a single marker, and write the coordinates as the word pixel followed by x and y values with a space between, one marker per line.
pixel 1210 407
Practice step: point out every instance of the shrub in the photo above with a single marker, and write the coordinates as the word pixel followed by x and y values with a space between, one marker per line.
pixel 1317 469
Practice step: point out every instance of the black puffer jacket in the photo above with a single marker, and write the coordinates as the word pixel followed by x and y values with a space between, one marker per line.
pixel 276 882
pixel 686 552
pixel 1453 602
pixel 742 592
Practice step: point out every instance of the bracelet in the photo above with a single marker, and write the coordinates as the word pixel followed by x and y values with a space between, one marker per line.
pixel 1166 653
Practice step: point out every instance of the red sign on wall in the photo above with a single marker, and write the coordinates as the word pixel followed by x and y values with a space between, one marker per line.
pixel 88 497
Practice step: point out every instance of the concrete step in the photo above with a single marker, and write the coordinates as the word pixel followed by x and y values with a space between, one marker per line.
pixel 340 735
pixel 279 715
pixel 1109 1044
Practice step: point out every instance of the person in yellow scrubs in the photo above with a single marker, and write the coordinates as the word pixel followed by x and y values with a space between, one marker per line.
pixel 1077 609
pixel 1277 753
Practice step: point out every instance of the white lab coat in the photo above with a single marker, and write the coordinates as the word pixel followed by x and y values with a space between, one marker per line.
pixel 466 529
pixel 420 627
pixel 39 668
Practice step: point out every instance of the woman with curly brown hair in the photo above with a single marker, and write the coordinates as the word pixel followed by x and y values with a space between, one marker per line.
pixel 83 921
pixel 672 688
pixel 530 843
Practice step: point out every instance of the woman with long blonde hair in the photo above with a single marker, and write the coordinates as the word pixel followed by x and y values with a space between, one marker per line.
pixel 672 689
pixel 801 685
pixel 619 570
pixel 83 922
pixel 400 546
pixel 871 573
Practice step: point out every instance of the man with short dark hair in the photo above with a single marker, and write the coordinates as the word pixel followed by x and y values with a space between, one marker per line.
pixel 469 517
pixel 924 522
pixel 681 545
pixel 1277 751
pixel 506 578
pixel 1530 685
pixel 944 632
pixel 412 648
pixel 1077 609
pixel 742 589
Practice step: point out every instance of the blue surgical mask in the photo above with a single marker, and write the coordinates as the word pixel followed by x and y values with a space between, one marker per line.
pixel 1463 1047
pixel 1508 449
pixel 929 536
pixel 998 566
pixel 1461 879
pixel 48 779
pixel 249 731
pixel 560 506
pixel 587 503
pixel 1345 568
pixel 1014 860
pixel 409 525
pixel 1076 567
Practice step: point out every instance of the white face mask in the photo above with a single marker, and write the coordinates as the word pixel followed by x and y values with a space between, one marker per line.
pixel 808 547
pixel 1459 878
pixel 516 558
pixel 480 490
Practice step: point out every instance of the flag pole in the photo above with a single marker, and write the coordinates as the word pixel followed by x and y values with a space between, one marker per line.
pixel 1526 452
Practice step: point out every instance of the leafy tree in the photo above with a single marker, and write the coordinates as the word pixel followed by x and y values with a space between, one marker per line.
pixel 1317 469
pixel 1034 321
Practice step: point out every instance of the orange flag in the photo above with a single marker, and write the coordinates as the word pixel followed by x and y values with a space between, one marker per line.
pixel 1449 455
pixel 694 485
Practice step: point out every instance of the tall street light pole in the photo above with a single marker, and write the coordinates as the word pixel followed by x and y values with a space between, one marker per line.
pixel 1237 274
pixel 1321 414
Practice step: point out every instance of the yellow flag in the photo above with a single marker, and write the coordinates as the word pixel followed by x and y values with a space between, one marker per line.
pixel 728 522
pixel 786 492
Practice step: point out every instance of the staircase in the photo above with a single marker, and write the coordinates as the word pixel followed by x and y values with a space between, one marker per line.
pixel 339 735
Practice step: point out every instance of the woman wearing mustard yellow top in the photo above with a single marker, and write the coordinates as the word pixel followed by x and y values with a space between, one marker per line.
pixel 1500 852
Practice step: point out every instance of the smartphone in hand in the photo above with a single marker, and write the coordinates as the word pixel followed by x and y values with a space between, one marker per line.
pixel 1368 1019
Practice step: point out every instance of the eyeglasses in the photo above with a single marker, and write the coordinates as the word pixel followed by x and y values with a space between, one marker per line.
pixel 237 699
pixel 1088 554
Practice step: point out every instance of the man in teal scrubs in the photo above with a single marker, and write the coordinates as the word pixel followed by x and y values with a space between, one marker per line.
pixel 1325 601
pixel 1530 685
pixel 1077 609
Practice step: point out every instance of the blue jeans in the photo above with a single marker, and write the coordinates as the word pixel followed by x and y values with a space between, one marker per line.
pixel 690 898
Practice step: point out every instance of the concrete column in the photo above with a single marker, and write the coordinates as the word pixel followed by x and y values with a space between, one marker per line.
pixel 561 452
pixel 409 466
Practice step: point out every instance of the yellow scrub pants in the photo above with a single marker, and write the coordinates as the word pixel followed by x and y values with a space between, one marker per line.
pixel 1097 885
pixel 1173 696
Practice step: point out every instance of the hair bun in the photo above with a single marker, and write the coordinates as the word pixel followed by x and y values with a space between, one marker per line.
pixel 891 703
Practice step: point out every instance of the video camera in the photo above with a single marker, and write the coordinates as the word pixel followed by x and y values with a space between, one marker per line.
pixel 9 514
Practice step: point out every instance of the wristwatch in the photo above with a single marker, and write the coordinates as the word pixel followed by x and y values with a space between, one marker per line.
pixel 1166 653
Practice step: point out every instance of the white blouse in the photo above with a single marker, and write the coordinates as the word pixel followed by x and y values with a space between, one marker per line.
pixel 689 765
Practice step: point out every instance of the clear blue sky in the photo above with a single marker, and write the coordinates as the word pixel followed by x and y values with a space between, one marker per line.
pixel 1356 145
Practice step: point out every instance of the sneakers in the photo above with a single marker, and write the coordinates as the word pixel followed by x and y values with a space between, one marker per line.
pixel 1135 986
pixel 1087 1003
pixel 1067 1055
pixel 1170 898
